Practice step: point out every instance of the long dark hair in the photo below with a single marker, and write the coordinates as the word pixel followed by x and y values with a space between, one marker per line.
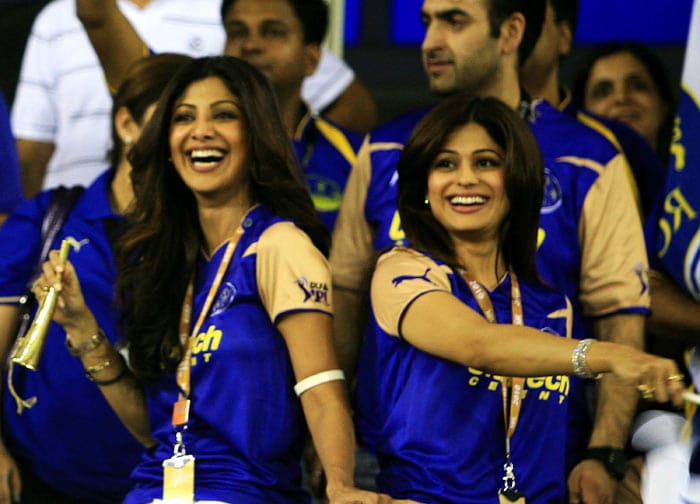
pixel 158 252
pixel 524 179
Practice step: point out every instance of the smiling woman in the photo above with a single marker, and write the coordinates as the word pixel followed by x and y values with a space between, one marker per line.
pixel 461 314
pixel 224 285
pixel 209 147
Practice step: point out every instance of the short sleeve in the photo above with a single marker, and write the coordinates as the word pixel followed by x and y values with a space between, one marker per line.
pixel 403 275
pixel 352 244
pixel 614 264
pixel 292 274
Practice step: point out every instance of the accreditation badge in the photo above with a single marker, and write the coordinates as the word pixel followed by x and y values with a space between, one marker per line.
pixel 178 480
pixel 511 496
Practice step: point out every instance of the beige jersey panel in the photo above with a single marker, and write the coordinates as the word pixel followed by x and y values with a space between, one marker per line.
pixel 352 248
pixel 614 267
pixel 292 274
pixel 400 277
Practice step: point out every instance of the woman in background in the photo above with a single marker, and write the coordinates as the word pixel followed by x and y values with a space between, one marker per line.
pixel 70 447
pixel 628 83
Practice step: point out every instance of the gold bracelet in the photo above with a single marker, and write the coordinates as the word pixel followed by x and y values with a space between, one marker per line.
pixel 98 367
pixel 87 346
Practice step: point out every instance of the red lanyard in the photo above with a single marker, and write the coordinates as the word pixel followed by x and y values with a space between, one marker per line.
pixel 511 387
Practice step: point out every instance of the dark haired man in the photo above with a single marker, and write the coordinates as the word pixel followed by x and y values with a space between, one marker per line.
pixel 478 46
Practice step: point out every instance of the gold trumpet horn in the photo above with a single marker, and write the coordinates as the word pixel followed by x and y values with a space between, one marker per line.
pixel 29 347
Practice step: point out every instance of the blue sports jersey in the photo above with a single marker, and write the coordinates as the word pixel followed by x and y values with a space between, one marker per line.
pixel 591 244
pixel 326 153
pixel 71 438
pixel 11 193
pixel 649 173
pixel 246 428
pixel 441 431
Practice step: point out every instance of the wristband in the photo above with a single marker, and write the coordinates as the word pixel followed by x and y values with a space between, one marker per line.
pixel 318 379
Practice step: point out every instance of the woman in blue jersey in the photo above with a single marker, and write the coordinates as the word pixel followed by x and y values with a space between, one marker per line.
pixel 61 441
pixel 227 301
pixel 460 315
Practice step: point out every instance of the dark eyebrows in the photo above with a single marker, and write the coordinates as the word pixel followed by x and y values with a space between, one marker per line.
pixel 443 15
pixel 214 104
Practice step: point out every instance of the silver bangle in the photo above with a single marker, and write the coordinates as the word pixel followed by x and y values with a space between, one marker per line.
pixel 578 359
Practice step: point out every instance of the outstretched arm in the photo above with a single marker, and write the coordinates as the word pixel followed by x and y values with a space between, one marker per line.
pixel 115 41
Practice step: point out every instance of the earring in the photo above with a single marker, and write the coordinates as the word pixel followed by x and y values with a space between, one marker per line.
pixel 426 201
pixel 128 141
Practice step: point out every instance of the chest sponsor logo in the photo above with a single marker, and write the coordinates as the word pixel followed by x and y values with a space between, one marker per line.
pixel 552 193
pixel 227 293
pixel 541 388
pixel 205 344
pixel 314 292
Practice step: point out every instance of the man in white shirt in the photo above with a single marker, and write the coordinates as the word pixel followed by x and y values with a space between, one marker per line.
pixel 60 115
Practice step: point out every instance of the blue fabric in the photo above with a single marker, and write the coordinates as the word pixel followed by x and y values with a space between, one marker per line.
pixel 441 433
pixel 326 167
pixel 11 193
pixel 649 172
pixel 246 427
pixel 558 258
pixel 71 438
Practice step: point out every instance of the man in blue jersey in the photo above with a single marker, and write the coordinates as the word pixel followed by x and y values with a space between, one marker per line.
pixel 591 243
pixel 282 38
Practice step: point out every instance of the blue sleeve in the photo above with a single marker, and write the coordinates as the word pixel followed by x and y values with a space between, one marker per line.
pixel 649 172
pixel 11 193
pixel 20 245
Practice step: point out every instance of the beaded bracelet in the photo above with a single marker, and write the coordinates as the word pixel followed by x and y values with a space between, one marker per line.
pixel 87 346
pixel 578 359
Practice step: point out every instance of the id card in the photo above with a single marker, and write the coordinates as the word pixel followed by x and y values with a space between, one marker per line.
pixel 511 496
pixel 178 480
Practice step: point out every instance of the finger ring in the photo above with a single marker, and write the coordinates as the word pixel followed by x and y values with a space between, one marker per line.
pixel 678 377
pixel 646 391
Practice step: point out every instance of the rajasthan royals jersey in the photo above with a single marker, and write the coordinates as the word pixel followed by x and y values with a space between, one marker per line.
pixel 441 434
pixel 246 428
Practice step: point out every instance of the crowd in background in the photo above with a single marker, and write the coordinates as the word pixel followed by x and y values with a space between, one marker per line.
pixel 271 297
